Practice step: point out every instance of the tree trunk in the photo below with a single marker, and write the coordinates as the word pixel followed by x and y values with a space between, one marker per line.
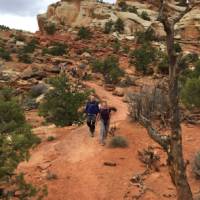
pixel 177 167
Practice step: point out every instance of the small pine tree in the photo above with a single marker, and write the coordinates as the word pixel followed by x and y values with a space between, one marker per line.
pixel 16 139
pixel 119 25
pixel 62 104
pixel 84 33
pixel 50 29
pixel 108 27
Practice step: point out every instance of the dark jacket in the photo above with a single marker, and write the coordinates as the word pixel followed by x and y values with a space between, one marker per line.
pixel 92 108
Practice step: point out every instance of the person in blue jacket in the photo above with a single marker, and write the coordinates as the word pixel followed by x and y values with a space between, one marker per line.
pixel 92 111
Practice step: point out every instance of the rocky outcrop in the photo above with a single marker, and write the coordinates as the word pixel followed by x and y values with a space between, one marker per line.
pixel 90 13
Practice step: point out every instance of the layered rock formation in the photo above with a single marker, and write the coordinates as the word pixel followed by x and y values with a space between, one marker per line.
pixel 90 13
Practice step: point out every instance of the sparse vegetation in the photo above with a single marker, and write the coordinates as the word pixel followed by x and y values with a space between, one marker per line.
pixel 51 138
pixel 119 25
pixel 5 54
pixel 118 142
pixel 61 105
pixel 123 6
pixel 57 49
pixel 163 65
pixel 196 165
pixel 24 57
pixel 109 67
pixel 116 46
pixel 144 15
pixel 108 27
pixel 143 57
pixel 146 36
pixel 15 141
pixel 4 28
pixel 84 33
pixel 191 93
pixel 50 28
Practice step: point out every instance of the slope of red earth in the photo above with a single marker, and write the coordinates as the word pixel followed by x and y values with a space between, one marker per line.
pixel 78 161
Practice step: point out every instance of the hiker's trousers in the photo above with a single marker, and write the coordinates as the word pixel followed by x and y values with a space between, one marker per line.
pixel 104 128
pixel 91 121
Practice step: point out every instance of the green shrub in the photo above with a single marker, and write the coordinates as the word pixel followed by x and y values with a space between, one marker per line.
pixel 61 105
pixel 4 28
pixel 123 6
pixel 163 66
pixel 5 54
pixel 116 46
pixel 196 165
pixel 84 33
pixel 119 25
pixel 16 139
pixel 51 138
pixel 147 36
pixel 177 48
pixel 50 29
pixel 24 57
pixel 30 47
pixel 58 49
pixel 133 9
pixel 109 67
pixel 144 15
pixel 108 27
pixel 190 93
pixel 118 142
pixel 143 57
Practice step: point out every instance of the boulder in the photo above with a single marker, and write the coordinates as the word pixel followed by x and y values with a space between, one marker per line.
pixel 33 72
pixel 118 92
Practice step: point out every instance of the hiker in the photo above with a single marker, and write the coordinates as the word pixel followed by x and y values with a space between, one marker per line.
pixel 92 110
pixel 105 115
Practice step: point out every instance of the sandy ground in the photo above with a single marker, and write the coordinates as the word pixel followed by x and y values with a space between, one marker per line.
pixel 78 161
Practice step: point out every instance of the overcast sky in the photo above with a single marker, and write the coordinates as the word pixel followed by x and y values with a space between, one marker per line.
pixel 21 14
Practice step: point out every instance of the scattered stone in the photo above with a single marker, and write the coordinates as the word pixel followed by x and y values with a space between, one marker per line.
pixel 110 164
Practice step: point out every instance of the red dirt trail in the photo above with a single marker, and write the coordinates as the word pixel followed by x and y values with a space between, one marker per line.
pixel 77 160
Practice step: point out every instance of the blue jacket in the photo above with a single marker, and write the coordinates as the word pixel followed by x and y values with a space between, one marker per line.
pixel 92 108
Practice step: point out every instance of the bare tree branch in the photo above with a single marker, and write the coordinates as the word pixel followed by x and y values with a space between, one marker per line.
pixel 162 140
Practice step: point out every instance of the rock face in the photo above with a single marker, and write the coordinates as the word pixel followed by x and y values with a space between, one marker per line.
pixel 90 13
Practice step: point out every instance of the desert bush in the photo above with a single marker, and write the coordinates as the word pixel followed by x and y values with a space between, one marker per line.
pixel 151 103
pixel 84 33
pixel 144 15
pixel 123 6
pixel 109 67
pixel 58 49
pixel 146 36
pixel 108 27
pixel 177 48
pixel 119 25
pixel 16 139
pixel 4 28
pixel 196 165
pixel 30 47
pixel 116 46
pixel 50 28
pixel 133 9
pixel 62 104
pixel 5 54
pixel 118 142
pixel 51 138
pixel 24 57
pixel 143 57
pixel 163 65
pixel 190 93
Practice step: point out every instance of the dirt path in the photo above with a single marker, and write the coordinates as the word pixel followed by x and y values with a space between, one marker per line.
pixel 77 160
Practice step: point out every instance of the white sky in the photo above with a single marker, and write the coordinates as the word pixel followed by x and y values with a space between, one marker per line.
pixel 21 14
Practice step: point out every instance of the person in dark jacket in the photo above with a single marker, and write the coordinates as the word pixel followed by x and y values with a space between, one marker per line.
pixel 92 111
pixel 105 115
